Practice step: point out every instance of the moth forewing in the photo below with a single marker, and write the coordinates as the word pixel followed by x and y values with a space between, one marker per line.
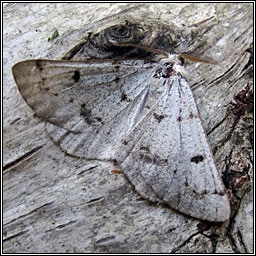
pixel 172 161
pixel 66 93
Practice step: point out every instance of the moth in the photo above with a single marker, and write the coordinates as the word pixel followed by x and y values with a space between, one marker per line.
pixel 139 114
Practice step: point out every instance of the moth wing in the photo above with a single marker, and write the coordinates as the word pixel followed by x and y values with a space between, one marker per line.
pixel 89 106
pixel 171 161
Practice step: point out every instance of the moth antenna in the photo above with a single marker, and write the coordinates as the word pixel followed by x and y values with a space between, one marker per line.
pixel 194 59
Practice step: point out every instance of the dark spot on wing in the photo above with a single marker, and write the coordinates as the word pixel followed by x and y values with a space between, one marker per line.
pixel 114 161
pixel 179 119
pixel 145 148
pixel 197 159
pixel 123 96
pixel 204 192
pixel 221 193
pixel 98 119
pixel 76 76
pixel 159 118
pixel 174 171
pixel 155 159
pixel 125 142
pixel 116 79
pixel 146 158
pixel 191 115
pixel 86 114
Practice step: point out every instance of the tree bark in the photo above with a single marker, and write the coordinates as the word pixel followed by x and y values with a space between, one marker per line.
pixel 54 203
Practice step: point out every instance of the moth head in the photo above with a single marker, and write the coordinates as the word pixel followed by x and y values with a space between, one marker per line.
pixel 177 61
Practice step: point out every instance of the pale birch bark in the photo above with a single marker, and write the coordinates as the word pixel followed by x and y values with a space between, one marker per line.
pixel 53 203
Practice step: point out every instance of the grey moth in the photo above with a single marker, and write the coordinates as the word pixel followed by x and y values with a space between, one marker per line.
pixel 140 114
